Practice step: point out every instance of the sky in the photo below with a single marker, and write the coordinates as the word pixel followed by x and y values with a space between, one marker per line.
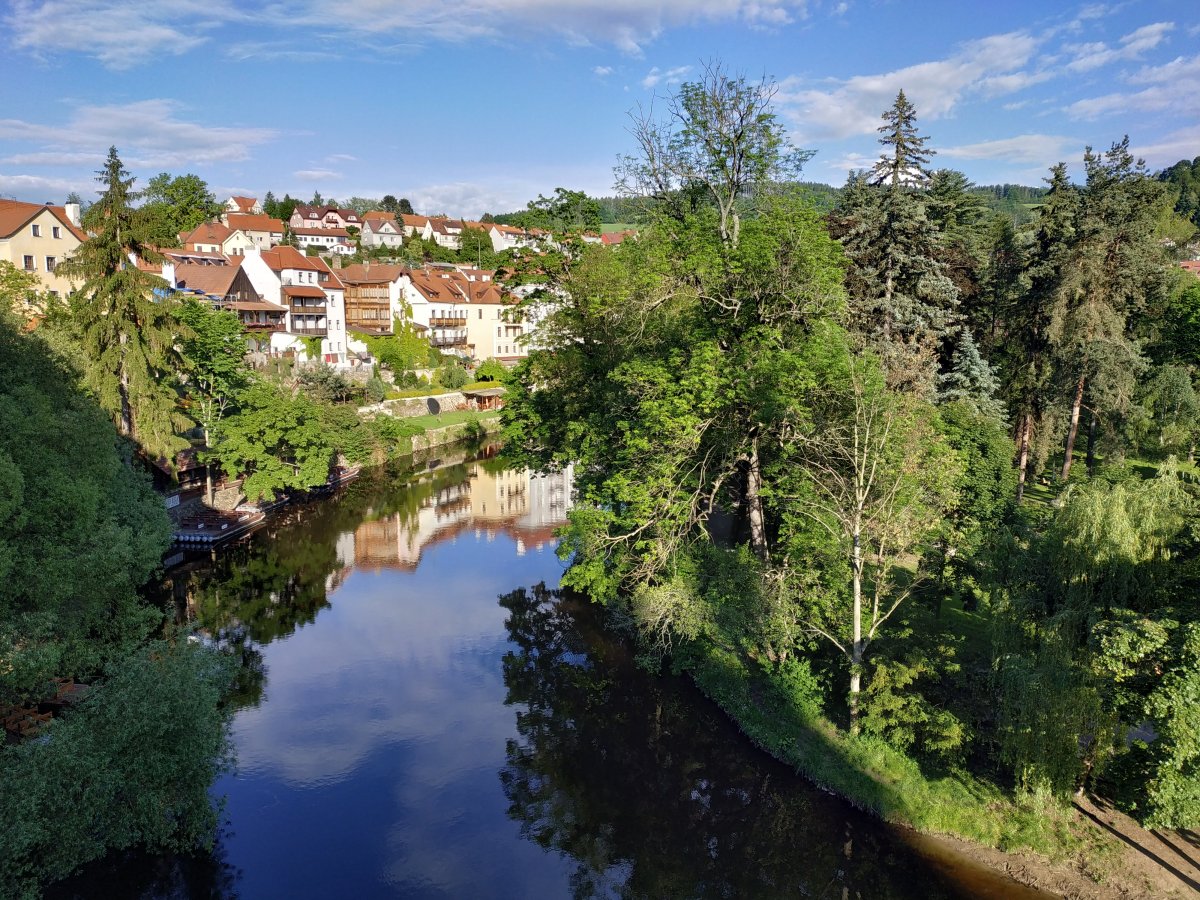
pixel 472 106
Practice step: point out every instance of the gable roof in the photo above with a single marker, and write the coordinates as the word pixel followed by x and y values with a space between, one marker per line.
pixel 251 222
pixel 214 281
pixel 245 204
pixel 285 257
pixel 14 214
pixel 374 274
pixel 207 233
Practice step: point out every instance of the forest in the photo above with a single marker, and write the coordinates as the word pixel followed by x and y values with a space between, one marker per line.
pixel 905 480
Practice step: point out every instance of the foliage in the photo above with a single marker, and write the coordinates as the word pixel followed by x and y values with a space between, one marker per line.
pixel 175 205
pixel 131 767
pixel 491 370
pixel 452 376
pixel 327 384
pixel 129 337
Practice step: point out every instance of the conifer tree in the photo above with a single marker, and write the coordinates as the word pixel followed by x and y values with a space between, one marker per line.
pixel 128 334
pixel 906 163
pixel 970 379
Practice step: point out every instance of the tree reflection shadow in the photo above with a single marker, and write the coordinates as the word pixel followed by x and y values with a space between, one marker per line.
pixel 651 793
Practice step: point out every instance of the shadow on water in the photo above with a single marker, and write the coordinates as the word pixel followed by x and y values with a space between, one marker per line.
pixel 650 792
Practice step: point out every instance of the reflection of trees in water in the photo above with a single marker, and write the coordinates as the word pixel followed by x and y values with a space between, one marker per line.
pixel 650 792
pixel 141 876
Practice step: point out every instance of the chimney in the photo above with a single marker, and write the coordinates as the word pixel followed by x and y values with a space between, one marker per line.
pixel 72 211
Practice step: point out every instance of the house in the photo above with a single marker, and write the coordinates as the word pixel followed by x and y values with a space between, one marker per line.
pixel 1191 265
pixel 265 231
pixel 416 225
pixel 215 237
pixel 374 297
pixel 436 301
pixel 324 217
pixel 36 237
pixel 613 238
pixel 246 205
pixel 506 237
pixel 311 292
pixel 327 240
pixel 447 233
pixel 380 229
pixel 229 287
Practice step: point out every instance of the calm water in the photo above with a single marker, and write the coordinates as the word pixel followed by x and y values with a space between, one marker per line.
pixel 422 715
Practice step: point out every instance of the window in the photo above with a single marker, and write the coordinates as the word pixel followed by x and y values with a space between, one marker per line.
pixel 481 313
pixel 51 262
pixel 29 266
pixel 497 331
pixel 37 230
pixel 55 231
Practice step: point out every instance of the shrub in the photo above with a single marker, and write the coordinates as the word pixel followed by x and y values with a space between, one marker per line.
pixel 452 377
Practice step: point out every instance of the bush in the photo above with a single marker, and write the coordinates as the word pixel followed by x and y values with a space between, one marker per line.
pixel 376 390
pixel 452 377
pixel 326 383
pixel 491 370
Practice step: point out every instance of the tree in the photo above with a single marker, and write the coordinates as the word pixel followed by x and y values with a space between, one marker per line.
pixel 404 207
pixel 970 380
pixel 215 352
pixel 874 477
pixel 566 211
pixel 906 162
pixel 129 336
pixel 175 205
pixel 719 140
pixel 1117 266
pixel 361 204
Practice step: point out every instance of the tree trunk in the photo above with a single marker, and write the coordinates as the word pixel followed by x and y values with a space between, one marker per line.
pixel 208 478
pixel 1091 445
pixel 856 654
pixel 125 424
pixel 1073 430
pixel 758 530
pixel 1023 438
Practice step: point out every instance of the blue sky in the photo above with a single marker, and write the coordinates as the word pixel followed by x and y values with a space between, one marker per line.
pixel 468 106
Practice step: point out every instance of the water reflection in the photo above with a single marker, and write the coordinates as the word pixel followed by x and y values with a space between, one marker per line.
pixel 650 793
pixel 403 734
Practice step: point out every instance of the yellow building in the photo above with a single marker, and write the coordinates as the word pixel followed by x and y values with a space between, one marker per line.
pixel 37 237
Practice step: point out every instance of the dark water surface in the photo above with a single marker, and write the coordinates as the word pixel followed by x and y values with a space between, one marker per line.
pixel 422 715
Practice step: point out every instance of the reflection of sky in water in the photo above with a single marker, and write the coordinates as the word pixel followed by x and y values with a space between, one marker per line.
pixel 375 754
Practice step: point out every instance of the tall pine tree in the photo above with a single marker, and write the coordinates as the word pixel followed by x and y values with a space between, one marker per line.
pixel 128 335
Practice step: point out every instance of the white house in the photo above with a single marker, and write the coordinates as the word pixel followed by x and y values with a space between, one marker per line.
pixel 312 294
pixel 380 229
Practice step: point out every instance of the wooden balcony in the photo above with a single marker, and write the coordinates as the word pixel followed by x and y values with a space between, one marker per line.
pixel 309 330
pixel 263 327
pixel 448 340
pixel 312 308
pixel 449 322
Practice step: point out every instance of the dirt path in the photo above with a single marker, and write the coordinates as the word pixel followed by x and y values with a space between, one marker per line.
pixel 1141 865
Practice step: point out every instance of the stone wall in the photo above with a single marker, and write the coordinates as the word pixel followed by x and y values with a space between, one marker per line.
pixel 416 406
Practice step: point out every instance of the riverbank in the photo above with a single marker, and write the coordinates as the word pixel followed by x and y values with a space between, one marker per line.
pixel 1084 851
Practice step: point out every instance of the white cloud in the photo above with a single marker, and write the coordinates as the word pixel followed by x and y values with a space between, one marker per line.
pixel 147 133
pixel 601 71
pixel 1179 67
pixel 1045 149
pixel 853 106
pixel 38 189
pixel 341 157
pixel 467 199
pixel 1170 148
pixel 121 33
pixel 841 9
pixel 317 175
pixel 1131 46
pixel 657 76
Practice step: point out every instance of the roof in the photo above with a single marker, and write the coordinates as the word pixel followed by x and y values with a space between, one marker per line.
pixel 303 290
pixel 616 237
pixel 215 281
pixel 285 257
pixel 207 233
pixel 249 222
pixel 483 392
pixel 414 221
pixel 373 274
pixel 257 306
pixel 245 203
pixel 14 214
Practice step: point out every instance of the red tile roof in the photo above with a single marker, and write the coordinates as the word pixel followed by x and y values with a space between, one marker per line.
pixel 303 290
pixel 14 214
pixel 207 233
pixel 248 222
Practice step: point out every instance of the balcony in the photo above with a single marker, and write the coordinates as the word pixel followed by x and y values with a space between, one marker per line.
pixel 309 330
pixel 448 340
pixel 307 309
pixel 263 327
pixel 449 321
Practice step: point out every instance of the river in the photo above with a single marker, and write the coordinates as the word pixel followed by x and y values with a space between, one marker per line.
pixel 422 714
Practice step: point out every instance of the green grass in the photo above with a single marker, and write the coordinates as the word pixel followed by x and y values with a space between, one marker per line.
pixel 876 777
pixel 452 417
